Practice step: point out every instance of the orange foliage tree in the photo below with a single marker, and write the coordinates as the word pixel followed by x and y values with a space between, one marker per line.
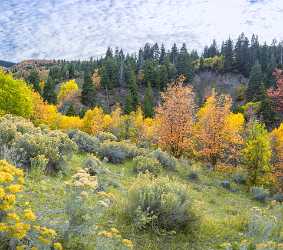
pixel 217 132
pixel 277 148
pixel 277 94
pixel 175 117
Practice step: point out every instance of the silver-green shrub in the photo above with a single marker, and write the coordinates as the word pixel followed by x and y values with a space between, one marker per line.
pixel 118 152
pixel 85 142
pixel 28 146
pixel 167 161
pixel 143 164
pixel 160 203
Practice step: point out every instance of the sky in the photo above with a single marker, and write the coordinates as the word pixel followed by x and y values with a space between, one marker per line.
pixel 79 29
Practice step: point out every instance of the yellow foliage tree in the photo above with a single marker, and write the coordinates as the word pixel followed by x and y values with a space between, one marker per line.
pixel 175 117
pixel 217 132
pixel 95 121
pixel 67 89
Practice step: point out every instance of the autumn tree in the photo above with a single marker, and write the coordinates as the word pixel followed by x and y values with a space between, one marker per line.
pixel 175 117
pixel 217 132
pixel 15 96
pixel 257 153
pixel 67 89
pixel 277 94
pixel 277 149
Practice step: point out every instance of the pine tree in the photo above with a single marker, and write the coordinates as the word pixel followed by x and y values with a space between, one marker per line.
pixel 133 87
pixel 128 104
pixel 255 90
pixel 227 51
pixel 88 91
pixel 49 94
pixel 174 54
pixel 71 111
pixel 148 102
pixel 162 54
pixel 34 80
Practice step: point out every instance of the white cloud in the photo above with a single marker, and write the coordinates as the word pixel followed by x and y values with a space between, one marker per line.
pixel 82 28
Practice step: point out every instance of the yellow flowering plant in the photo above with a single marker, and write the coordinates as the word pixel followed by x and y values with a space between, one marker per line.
pixel 18 225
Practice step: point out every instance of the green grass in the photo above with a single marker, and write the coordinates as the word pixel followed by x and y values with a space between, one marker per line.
pixel 223 214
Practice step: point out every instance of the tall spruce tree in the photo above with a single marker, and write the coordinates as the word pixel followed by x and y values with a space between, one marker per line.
pixel 148 102
pixel 88 91
pixel 34 80
pixel 255 90
pixel 49 94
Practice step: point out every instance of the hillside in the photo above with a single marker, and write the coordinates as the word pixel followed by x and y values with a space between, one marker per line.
pixel 6 64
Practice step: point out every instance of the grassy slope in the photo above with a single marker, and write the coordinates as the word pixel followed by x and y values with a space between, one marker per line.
pixel 223 213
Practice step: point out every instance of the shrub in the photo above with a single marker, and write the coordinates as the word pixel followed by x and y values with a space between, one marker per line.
pixel 259 194
pixel 27 146
pixel 167 161
pixel 85 142
pixel 93 165
pixel 118 152
pixel 278 197
pixel 104 136
pixel 240 178
pixel 225 184
pixel 18 225
pixel 161 203
pixel 193 176
pixel 143 164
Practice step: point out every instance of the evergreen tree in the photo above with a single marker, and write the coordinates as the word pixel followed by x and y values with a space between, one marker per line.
pixel 242 55
pixel 174 54
pixel 148 101
pixel 71 111
pixel 49 94
pixel 129 104
pixel 255 90
pixel 88 91
pixel 162 54
pixel 34 80
pixel 227 51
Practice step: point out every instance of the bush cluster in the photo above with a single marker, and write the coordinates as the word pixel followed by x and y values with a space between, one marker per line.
pixel 106 136
pixel 167 161
pixel 27 146
pixel 143 164
pixel 85 142
pixel 159 202
pixel 118 152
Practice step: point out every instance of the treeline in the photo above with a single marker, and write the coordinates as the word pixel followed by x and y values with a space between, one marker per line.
pixel 144 74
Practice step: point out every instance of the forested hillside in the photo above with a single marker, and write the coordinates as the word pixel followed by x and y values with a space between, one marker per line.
pixel 137 79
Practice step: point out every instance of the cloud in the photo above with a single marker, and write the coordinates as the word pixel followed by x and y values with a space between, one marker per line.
pixel 75 29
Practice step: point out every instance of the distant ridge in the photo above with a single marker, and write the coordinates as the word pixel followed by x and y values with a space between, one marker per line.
pixel 6 64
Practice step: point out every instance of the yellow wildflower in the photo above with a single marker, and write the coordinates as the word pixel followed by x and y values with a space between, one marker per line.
pixel 29 215
pixel 22 247
pixel 6 177
pixel 15 188
pixel 19 230
pixel 34 248
pixel 2 193
pixel 57 246
pixel 44 240
pixel 3 227
pixel 128 243
pixel 13 216
pixel 114 230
